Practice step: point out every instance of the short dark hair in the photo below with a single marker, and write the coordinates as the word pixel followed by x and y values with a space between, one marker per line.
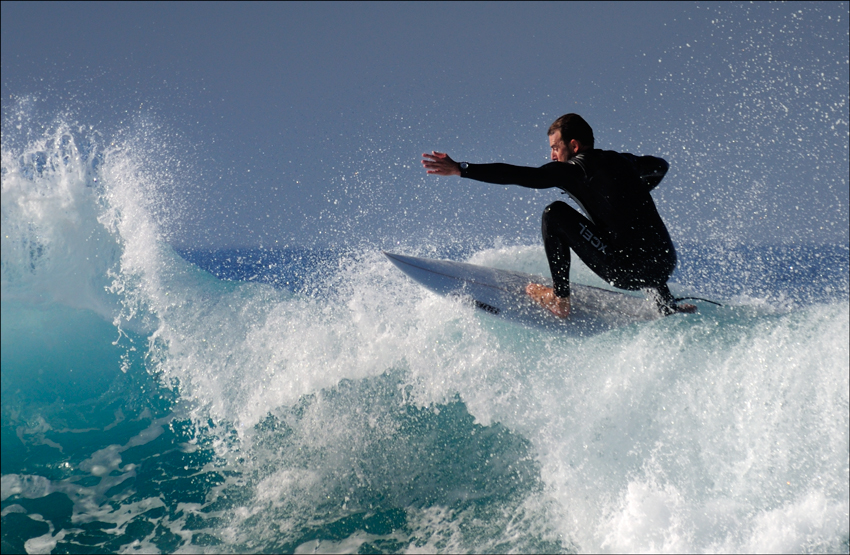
pixel 573 126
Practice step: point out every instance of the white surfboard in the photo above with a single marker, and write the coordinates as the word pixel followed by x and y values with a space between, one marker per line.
pixel 502 293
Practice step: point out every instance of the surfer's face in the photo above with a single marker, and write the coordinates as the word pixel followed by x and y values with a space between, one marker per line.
pixel 561 152
pixel 558 147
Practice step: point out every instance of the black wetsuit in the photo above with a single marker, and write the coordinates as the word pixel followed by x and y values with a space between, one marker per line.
pixel 623 238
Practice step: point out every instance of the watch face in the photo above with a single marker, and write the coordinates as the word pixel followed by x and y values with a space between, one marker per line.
pixel 463 165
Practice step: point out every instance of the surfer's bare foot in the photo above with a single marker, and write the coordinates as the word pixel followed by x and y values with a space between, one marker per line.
pixel 545 297
pixel 686 308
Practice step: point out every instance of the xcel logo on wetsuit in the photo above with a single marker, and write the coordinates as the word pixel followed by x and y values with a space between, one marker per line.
pixel 592 239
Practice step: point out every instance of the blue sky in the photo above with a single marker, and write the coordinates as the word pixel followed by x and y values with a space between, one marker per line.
pixel 303 123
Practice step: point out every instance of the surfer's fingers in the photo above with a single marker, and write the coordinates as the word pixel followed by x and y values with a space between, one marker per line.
pixel 436 156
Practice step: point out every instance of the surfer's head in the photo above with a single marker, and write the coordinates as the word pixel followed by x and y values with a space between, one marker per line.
pixel 568 136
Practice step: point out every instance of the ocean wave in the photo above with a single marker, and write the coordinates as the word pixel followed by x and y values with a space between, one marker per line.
pixel 319 400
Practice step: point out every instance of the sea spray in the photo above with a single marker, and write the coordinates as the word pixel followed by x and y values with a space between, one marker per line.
pixel 356 411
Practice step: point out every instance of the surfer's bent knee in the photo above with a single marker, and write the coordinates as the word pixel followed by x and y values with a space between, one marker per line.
pixel 555 209
pixel 554 216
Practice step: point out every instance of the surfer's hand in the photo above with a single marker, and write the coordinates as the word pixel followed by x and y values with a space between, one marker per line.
pixel 439 163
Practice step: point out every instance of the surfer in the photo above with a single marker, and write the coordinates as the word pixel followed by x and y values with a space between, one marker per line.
pixel 621 237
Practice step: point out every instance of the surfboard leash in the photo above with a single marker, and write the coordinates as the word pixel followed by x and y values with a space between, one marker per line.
pixel 696 299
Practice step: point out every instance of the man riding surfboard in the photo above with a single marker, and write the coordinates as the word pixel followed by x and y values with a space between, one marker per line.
pixel 621 237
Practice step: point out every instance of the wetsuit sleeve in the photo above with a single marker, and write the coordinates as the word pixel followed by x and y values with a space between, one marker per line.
pixel 554 174
pixel 651 169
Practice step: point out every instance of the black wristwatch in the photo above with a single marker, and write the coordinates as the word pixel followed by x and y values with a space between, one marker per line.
pixel 464 166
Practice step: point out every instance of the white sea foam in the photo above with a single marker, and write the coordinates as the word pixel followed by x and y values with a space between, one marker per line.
pixel 724 431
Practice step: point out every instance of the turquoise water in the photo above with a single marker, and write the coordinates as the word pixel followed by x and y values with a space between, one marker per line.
pixel 319 401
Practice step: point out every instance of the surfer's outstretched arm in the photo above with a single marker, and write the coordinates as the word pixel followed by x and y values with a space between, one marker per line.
pixel 554 174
